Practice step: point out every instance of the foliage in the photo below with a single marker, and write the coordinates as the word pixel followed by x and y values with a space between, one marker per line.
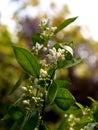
pixel 43 90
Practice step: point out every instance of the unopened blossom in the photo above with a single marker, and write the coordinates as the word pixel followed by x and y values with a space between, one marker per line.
pixel 43 73
pixel 35 81
pixel 24 88
pixel 67 48
pixel 44 63
pixel 44 22
pixel 61 54
pixel 37 47
pixel 44 49
pixel 48 32
pixel 53 28
pixel 52 51
pixel 26 102
pixel 52 56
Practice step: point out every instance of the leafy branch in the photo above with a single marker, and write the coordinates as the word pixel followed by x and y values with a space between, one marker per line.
pixel 43 89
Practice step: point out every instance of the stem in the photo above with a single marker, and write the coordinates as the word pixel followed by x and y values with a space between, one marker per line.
pixel 37 92
pixel 42 113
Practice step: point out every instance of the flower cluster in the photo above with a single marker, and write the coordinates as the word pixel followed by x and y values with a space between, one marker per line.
pixel 54 55
pixel 31 98
pixel 49 56
pixel 47 32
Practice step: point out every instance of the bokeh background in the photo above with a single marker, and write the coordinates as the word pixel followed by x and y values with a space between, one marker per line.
pixel 19 20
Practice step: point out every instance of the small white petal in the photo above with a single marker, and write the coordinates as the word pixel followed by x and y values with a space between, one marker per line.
pixel 68 48
pixel 43 73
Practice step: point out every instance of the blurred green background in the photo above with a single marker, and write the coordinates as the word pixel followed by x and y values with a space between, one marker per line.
pixel 83 77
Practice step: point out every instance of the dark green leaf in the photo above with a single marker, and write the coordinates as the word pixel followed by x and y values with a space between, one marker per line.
pixel 6 117
pixel 62 83
pixel 57 46
pixel 23 96
pixel 15 112
pixel 42 127
pixel 31 121
pixel 68 63
pixel 65 24
pixel 27 61
pixel 17 84
pixel 96 127
pixel 51 93
pixel 64 99
pixel 17 124
pixel 51 72
pixel 36 38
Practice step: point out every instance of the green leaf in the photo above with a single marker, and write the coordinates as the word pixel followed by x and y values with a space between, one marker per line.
pixel 42 127
pixel 51 93
pixel 17 84
pixel 90 98
pixel 64 99
pixel 74 110
pixel 27 61
pixel 51 72
pixel 17 124
pixel 80 106
pixel 36 38
pixel 31 121
pixel 6 117
pixel 21 98
pixel 57 46
pixel 68 63
pixel 95 113
pixel 62 83
pixel 15 112
pixel 83 121
pixel 63 124
pixel 65 24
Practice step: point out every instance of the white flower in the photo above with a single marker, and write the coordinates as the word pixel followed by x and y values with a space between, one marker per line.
pixel 24 88
pixel 68 48
pixel 60 54
pixel 38 46
pixel 55 55
pixel 52 51
pixel 43 73
pixel 53 28
pixel 44 22
pixel 36 81
pixel 44 63
pixel 26 102
pixel 44 49
pixel 52 56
